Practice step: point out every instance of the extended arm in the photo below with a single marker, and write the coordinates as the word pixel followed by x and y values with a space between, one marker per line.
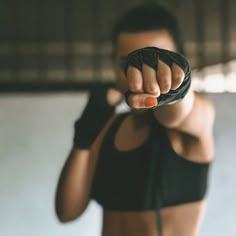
pixel 72 193
pixel 156 73
pixel 193 115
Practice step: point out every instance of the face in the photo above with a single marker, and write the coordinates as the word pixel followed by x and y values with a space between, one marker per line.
pixel 128 42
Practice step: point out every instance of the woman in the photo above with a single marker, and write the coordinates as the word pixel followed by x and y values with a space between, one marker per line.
pixel 147 168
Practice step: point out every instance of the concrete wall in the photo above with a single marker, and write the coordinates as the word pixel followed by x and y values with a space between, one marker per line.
pixel 35 137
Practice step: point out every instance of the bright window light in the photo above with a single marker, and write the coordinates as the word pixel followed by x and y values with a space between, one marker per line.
pixel 214 79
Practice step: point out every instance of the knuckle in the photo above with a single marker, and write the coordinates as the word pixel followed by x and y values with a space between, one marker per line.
pixel 135 87
pixel 132 100
pixel 176 81
pixel 178 77
pixel 163 77
pixel 165 87
pixel 152 89
pixel 174 85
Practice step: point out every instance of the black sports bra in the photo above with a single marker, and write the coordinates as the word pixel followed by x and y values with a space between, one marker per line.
pixel 149 177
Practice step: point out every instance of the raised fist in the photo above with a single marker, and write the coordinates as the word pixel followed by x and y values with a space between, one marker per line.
pixel 154 76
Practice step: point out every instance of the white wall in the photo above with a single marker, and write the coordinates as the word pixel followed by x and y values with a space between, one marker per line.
pixel 35 137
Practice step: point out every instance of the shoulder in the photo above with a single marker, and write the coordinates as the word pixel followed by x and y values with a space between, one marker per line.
pixel 207 112
pixel 192 148
pixel 199 122
pixel 198 145
pixel 206 119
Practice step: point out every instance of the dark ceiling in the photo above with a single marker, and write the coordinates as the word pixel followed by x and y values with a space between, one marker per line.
pixel 70 40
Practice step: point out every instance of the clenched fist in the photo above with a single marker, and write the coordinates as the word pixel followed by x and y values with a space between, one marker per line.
pixel 155 77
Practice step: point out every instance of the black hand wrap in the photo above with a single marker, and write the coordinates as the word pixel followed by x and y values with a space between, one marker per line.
pixel 95 115
pixel 150 57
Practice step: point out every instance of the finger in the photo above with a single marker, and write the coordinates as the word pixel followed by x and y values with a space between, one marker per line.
pixel 163 77
pixel 142 101
pixel 114 96
pixel 150 84
pixel 177 76
pixel 135 80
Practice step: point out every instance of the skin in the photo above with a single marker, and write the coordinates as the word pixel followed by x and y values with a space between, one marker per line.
pixel 190 136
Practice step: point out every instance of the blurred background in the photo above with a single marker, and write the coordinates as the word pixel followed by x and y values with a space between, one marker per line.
pixel 51 54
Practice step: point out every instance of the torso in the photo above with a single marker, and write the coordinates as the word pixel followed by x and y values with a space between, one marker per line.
pixel 132 134
pixel 117 223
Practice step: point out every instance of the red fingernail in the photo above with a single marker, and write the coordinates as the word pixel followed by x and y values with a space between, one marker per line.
pixel 150 102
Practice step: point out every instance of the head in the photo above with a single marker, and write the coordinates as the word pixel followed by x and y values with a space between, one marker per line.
pixel 146 25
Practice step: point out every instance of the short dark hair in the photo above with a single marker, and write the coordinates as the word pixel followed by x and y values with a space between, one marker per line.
pixel 148 17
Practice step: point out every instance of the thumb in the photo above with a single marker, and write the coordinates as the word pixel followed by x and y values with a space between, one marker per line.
pixel 141 100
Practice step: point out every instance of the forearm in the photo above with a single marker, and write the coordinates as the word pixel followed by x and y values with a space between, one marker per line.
pixel 75 182
pixel 171 116
pixel 74 185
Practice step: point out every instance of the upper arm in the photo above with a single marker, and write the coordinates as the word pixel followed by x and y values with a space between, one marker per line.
pixel 198 129
pixel 200 120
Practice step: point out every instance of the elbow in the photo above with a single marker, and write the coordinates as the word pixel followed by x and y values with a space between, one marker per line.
pixel 62 216
pixel 65 217
pixel 65 214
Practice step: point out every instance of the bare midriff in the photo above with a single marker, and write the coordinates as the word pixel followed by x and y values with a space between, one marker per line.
pixel 128 223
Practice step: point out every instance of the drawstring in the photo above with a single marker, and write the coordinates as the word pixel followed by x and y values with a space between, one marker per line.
pixel 156 173
pixel 159 223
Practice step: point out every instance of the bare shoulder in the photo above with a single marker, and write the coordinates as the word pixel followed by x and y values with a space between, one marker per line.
pixel 206 113
pixel 200 120
pixel 200 147
pixel 191 148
